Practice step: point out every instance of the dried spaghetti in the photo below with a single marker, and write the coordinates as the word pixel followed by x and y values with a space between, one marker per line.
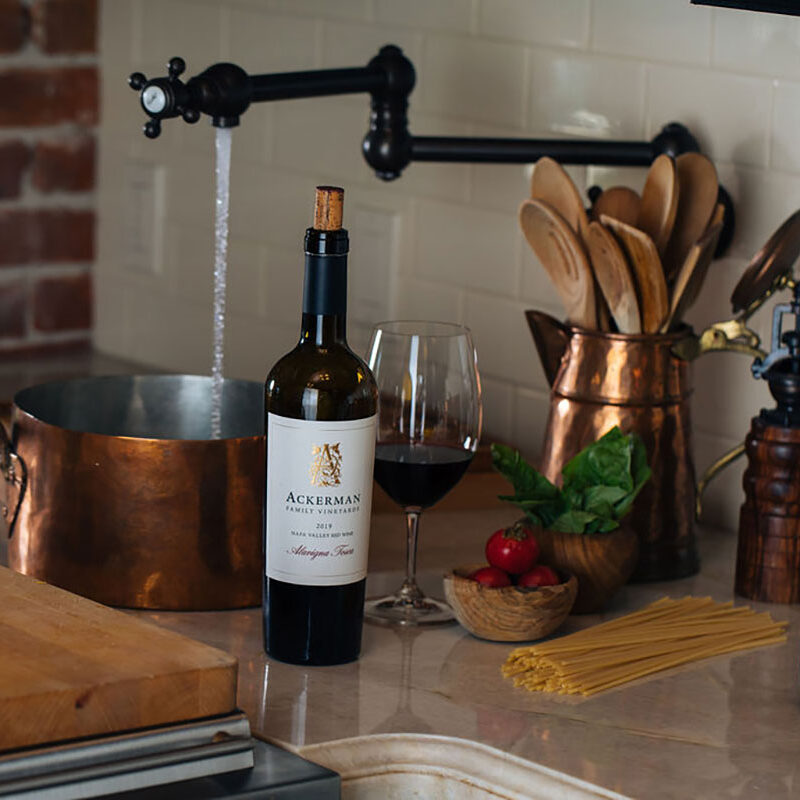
pixel 664 634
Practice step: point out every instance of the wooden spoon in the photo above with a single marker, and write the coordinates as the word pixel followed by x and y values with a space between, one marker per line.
pixel 691 275
pixel 559 250
pixel 551 183
pixel 643 257
pixel 718 216
pixel 698 189
pixel 618 202
pixel 614 278
pixel 659 202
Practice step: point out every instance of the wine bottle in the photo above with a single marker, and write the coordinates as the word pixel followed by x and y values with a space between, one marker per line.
pixel 321 406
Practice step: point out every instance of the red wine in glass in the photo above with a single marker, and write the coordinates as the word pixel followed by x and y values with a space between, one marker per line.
pixel 419 474
pixel 429 424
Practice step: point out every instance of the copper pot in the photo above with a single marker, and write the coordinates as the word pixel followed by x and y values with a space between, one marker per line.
pixel 117 492
pixel 599 380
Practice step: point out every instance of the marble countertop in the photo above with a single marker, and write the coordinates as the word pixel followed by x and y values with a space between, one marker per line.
pixel 728 727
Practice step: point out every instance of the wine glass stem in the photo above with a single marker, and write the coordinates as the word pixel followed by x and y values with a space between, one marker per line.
pixel 409 590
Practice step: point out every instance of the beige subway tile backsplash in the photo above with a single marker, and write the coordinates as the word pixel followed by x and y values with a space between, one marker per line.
pixel 725 111
pixel 271 42
pixel 572 94
pixel 466 247
pixel 473 79
pixel 445 15
pixel 759 44
pixel 499 328
pixel 563 24
pixel 442 241
pixel 661 30
pixel 785 140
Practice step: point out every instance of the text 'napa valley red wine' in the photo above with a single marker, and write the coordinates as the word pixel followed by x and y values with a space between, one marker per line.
pixel 419 474
pixel 321 404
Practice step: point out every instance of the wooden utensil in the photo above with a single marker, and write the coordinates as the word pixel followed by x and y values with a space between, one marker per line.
pixel 718 216
pixel 604 319
pixel 690 279
pixel 73 668
pixel 614 278
pixel 698 189
pixel 562 255
pixel 618 202
pixel 551 184
pixel 643 257
pixel 659 202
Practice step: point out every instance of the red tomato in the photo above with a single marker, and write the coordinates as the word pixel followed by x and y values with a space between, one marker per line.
pixel 540 575
pixel 513 549
pixel 491 576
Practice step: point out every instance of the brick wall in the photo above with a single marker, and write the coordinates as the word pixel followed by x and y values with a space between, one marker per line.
pixel 49 110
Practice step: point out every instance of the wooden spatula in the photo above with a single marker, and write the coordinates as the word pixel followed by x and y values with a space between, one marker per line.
pixel 690 278
pixel 698 188
pixel 618 202
pixel 562 255
pixel 659 202
pixel 643 257
pixel 614 278
pixel 551 184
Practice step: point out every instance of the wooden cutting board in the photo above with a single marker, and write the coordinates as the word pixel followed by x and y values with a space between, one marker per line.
pixel 70 667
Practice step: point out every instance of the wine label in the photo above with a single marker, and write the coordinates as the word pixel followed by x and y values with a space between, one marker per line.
pixel 319 498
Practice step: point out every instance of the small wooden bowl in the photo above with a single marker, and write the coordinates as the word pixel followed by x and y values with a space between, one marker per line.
pixel 508 613
pixel 602 562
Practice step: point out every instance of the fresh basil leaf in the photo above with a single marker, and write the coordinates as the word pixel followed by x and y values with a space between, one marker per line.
pixel 540 512
pixel 601 525
pixel 606 461
pixel 521 475
pixel 601 500
pixel 599 484
pixel 573 521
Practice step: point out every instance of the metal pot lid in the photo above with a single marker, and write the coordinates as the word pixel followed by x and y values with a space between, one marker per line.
pixel 146 406
pixel 769 265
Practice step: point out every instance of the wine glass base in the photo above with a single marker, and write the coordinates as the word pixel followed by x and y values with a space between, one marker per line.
pixel 394 610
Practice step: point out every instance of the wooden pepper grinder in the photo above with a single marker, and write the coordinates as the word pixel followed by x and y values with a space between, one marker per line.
pixel 768 556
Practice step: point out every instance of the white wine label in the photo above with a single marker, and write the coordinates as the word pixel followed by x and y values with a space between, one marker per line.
pixel 319 498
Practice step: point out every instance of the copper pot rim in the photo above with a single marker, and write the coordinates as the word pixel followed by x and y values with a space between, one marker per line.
pixel 19 411
pixel 153 440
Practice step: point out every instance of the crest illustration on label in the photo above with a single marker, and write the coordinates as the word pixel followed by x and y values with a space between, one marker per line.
pixel 326 466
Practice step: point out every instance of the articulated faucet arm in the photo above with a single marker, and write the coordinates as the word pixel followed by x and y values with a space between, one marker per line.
pixel 225 91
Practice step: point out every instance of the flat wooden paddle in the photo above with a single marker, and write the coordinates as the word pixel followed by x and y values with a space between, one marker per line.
pixel 643 257
pixel 698 189
pixel 614 278
pixel 553 185
pixel 691 276
pixel 618 202
pixel 659 202
pixel 562 255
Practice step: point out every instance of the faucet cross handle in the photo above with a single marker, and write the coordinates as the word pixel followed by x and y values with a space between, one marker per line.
pixel 162 98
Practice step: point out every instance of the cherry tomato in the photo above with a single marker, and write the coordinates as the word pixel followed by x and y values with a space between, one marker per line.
pixel 491 576
pixel 513 549
pixel 540 575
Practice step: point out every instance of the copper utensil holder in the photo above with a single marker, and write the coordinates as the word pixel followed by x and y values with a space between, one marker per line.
pixel 598 380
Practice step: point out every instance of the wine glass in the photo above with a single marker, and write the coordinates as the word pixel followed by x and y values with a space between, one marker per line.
pixel 429 424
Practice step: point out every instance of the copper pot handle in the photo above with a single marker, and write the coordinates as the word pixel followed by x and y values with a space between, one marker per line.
pixel 15 473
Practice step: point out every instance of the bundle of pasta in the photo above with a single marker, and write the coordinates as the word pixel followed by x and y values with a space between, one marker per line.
pixel 664 634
